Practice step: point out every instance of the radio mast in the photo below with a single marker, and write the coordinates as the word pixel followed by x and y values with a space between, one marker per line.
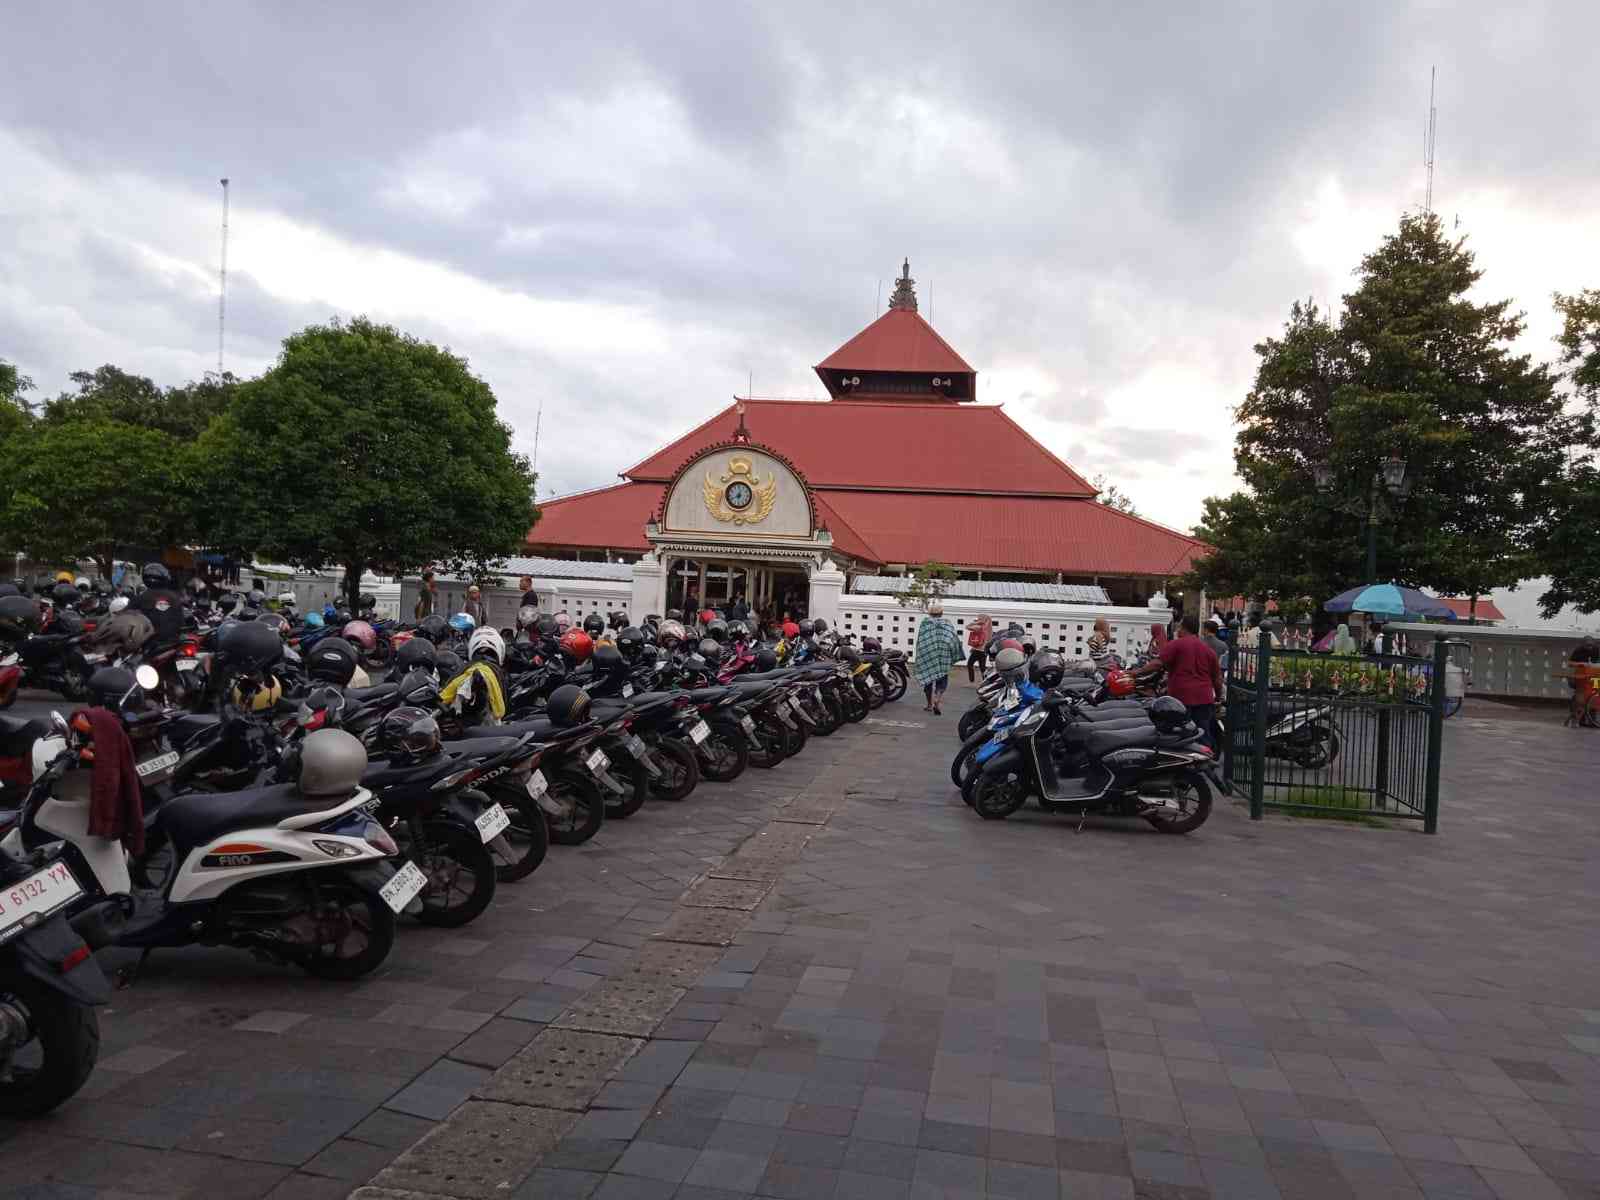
pixel 222 279
pixel 1428 138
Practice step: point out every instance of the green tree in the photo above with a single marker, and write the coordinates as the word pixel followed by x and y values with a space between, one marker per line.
pixel 1415 369
pixel 92 488
pixel 929 582
pixel 1114 497
pixel 1568 550
pixel 12 386
pixel 365 448
pixel 112 394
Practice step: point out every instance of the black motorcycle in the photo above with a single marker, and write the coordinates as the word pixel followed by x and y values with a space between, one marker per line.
pixel 54 660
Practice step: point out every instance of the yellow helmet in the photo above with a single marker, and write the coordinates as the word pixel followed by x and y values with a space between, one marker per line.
pixel 63 576
pixel 262 698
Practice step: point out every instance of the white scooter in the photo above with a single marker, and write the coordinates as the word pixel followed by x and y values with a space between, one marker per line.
pixel 293 872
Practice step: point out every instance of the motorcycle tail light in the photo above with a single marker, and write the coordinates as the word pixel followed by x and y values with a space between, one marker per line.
pixel 74 959
pixel 187 650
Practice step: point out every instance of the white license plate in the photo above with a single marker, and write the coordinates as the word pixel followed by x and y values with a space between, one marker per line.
pixel 36 896
pixel 492 822
pixel 598 761
pixel 537 785
pixel 627 690
pixel 187 664
pixel 94 658
pixel 636 746
pixel 403 888
pixel 699 732
pixel 159 763
pixel 748 723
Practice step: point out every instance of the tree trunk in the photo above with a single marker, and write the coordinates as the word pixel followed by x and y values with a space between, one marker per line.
pixel 352 584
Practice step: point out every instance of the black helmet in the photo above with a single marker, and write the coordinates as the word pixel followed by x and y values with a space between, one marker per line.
pixel 435 628
pixel 710 649
pixel 630 642
pixel 594 625
pixel 568 705
pixel 807 627
pixel 1168 714
pixel 617 620
pixel 67 621
pixel 547 627
pixel 250 645
pixel 19 615
pixel 332 659
pixel 101 586
pixel 738 631
pixel 416 654
pixel 819 626
pixel 325 699
pixel 228 603
pixel 1046 669
pixel 341 617
pixel 766 659
pixel 674 614
pixel 65 595
pixel 717 631
pixel 408 732
pixel 448 664
pixel 607 660
pixel 155 575
pixel 366 602
pixel 108 685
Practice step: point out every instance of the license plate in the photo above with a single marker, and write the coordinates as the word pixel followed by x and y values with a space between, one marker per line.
pixel 403 888
pixel 159 763
pixel 537 784
pixel 94 658
pixel 187 664
pixel 636 747
pixel 699 732
pixel 598 761
pixel 492 822
pixel 748 723
pixel 627 690
pixel 37 896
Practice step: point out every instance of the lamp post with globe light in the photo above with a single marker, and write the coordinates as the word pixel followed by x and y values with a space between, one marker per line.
pixel 1390 478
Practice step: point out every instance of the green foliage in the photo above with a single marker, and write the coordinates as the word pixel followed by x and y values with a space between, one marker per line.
pixel 1568 545
pixel 1579 339
pixel 365 448
pixel 109 393
pixel 1415 369
pixel 12 386
pixel 929 582
pixel 1113 497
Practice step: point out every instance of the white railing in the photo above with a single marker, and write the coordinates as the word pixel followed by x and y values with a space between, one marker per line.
pixel 1505 660
pixel 1064 628
pixel 579 597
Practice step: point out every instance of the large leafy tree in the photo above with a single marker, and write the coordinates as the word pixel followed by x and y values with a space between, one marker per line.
pixel 112 394
pixel 1569 551
pixel 365 448
pixel 1414 369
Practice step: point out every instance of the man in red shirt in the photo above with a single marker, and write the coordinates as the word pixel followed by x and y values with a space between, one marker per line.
pixel 1194 675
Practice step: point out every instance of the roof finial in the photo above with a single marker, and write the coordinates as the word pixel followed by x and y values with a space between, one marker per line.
pixel 905 295
pixel 741 434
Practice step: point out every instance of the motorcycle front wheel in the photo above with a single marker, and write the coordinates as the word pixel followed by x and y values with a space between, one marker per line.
pixel 1186 809
pixel 898 679
pixel 637 780
pixel 974 719
pixel 518 851
pixel 582 808
pixel 57 1058
pixel 680 770
pixel 996 797
pixel 724 755
pixel 354 931
pixel 459 871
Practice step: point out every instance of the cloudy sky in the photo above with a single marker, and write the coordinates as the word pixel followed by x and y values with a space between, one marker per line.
pixel 625 213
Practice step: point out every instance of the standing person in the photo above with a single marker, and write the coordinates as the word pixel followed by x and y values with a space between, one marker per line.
pixel 978 645
pixel 1212 638
pixel 530 598
pixel 1585 654
pixel 474 606
pixel 161 604
pixel 1194 675
pixel 427 597
pixel 937 652
pixel 738 610
pixel 1100 653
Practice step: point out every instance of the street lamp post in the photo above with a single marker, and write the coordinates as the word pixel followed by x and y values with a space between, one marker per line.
pixel 1390 477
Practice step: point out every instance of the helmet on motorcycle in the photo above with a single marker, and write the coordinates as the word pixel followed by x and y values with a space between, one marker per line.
pixel 1010 661
pixel 546 627
pixel 738 631
pixel 806 628
pixel 1009 643
pixel 63 577
pixel 1168 714
pixel 448 664
pixel 331 763
pixel 617 620
pixel 790 631
pixel 257 598
pixel 67 621
pixel 487 643
pixel 563 620
pixel 408 732
pixel 526 616
pixel 329 613
pixel 435 628
pixel 1119 683
pixel 325 700
pixel 81 583
pixel 577 645
pixel 568 705
pixel 607 660
pixel 332 660
pixel 64 595
pixel 313 621
pixel 275 621
pixel 819 626
pixel 249 645
pixel 417 654
pixel 229 602
pixel 463 623
pixel 118 603
pixel 594 625
pixel 258 697
pixel 101 587
pixel 1046 669
pixel 630 643
pixel 710 649
pixel 766 659
pixel 343 617
pixel 288 600
pixel 359 633
pixel 366 602
pixel 669 633
pixel 109 685
pixel 717 630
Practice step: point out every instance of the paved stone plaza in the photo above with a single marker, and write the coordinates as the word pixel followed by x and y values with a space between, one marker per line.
pixel 915 1002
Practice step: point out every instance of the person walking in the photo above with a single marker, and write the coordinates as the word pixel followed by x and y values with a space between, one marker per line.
pixel 427 597
pixel 978 646
pixel 530 598
pixel 1194 675
pixel 937 652
pixel 1212 638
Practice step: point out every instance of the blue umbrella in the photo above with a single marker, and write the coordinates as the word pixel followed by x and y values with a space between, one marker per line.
pixel 1389 600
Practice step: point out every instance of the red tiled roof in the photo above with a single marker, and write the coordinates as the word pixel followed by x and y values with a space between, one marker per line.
pixel 846 539
pixel 1487 609
pixel 896 447
pixel 605 517
pixel 1075 536
pixel 900 340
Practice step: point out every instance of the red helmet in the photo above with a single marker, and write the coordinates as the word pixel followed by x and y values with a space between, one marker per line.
pixel 790 631
pixel 1119 683
pixel 577 645
pixel 359 633
pixel 1009 644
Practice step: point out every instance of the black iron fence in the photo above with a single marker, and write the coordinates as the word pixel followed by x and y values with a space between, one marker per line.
pixel 1336 734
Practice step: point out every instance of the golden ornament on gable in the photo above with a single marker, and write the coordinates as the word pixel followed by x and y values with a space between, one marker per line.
pixel 738 495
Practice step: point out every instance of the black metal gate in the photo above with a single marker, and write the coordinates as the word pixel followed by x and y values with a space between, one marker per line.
pixel 1336 734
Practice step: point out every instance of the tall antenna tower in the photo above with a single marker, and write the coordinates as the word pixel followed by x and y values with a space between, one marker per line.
pixel 1428 138
pixel 538 420
pixel 222 279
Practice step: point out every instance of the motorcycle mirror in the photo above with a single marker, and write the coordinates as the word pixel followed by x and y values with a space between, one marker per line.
pixel 59 723
pixel 147 677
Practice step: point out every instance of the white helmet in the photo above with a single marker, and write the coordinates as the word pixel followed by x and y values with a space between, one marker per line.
pixel 118 603
pixel 82 584
pixel 563 620
pixel 487 643
pixel 331 763
pixel 288 598
pixel 526 616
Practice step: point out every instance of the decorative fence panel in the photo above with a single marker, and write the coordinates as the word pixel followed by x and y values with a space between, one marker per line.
pixel 1064 628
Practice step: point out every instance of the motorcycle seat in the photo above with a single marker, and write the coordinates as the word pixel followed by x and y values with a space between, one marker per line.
pixel 18 734
pixel 540 727
pixel 708 695
pixel 366 695
pixel 1119 713
pixel 195 819
pixel 480 747
pixel 1079 733
pixel 1103 741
